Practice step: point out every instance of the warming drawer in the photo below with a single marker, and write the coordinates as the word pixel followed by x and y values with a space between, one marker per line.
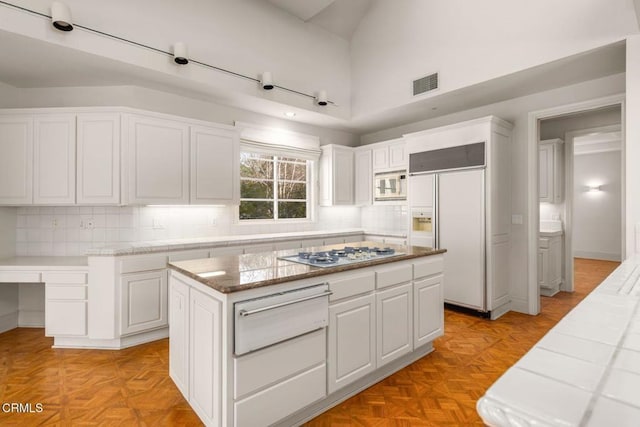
pixel 268 320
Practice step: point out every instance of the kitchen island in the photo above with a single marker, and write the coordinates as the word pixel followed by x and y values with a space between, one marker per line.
pixel 267 339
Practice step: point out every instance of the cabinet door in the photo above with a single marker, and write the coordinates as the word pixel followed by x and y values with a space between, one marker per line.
pixel 545 171
pixel 143 301
pixel 16 160
pixel 351 341
pixel 54 160
pixel 215 162
pixel 205 349
pixel 558 172
pixel 158 161
pixel 381 157
pixel 421 190
pixel 397 157
pixel 179 335
pixel 343 177
pixel 428 310
pixel 363 177
pixel 394 323
pixel 98 165
pixel 555 261
pixel 543 267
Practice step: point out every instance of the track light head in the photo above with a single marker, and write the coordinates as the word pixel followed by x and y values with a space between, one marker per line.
pixel 267 81
pixel 322 98
pixel 180 53
pixel 61 16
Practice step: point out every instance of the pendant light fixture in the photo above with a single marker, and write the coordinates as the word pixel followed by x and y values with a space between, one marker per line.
pixel 180 53
pixel 267 80
pixel 61 16
pixel 322 98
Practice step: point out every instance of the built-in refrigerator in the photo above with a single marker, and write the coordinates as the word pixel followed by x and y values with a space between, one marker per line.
pixel 447 205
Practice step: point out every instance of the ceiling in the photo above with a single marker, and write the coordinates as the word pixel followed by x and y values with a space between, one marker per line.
pixel 340 17
pixel 32 63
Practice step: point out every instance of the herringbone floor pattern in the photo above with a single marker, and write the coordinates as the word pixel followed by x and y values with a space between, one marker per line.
pixel 131 387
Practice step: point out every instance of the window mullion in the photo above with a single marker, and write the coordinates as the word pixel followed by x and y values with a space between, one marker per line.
pixel 275 187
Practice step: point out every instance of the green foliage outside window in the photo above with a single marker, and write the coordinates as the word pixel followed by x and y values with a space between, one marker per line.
pixel 273 187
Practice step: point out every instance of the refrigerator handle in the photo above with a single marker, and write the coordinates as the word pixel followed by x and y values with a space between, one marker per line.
pixel 436 209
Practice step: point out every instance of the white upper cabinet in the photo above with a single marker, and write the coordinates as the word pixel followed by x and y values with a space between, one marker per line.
pixel 98 163
pixel 363 177
pixel 336 175
pixel 215 163
pixel 390 155
pixel 16 160
pixel 158 156
pixel 54 172
pixel 551 170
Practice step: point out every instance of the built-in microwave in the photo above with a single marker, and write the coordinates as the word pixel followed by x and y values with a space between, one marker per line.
pixel 390 185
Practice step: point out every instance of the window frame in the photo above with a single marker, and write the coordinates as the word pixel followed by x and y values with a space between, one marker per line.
pixel 276 157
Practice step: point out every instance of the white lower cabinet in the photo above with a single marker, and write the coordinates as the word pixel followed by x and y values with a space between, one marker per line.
pixel 143 298
pixel 179 333
pixel 65 304
pixel 394 318
pixel 428 310
pixel 549 265
pixel 205 351
pixel 352 345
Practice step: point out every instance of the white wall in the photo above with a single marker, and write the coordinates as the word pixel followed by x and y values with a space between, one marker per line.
pixel 596 217
pixel 556 128
pixel 632 147
pixel 162 102
pixel 243 36
pixel 468 42
pixel 8 292
pixel 517 111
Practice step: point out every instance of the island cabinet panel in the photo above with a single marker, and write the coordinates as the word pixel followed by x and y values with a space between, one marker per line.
pixel 394 323
pixel 179 333
pixel 352 284
pixel 205 387
pixel 428 310
pixel 352 348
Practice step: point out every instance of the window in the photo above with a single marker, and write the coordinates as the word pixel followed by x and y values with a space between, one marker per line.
pixel 273 187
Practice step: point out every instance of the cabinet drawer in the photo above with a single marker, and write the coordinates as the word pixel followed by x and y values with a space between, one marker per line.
pixel 352 285
pixel 428 267
pixel 277 402
pixel 283 360
pixel 157 262
pixel 60 292
pixel 20 277
pixel 394 275
pixel 186 255
pixel 64 277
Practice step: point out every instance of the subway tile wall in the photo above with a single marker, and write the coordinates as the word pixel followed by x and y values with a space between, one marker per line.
pixel 385 219
pixel 70 231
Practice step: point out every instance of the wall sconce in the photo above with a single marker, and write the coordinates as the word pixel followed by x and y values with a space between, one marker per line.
pixel 322 97
pixel 594 188
pixel 61 16
pixel 267 81
pixel 180 53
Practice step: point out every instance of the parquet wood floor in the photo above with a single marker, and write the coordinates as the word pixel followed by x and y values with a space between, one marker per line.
pixel 131 387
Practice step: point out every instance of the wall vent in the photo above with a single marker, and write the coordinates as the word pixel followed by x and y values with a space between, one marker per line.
pixel 425 84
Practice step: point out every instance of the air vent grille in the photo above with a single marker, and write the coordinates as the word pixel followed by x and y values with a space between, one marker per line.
pixel 425 84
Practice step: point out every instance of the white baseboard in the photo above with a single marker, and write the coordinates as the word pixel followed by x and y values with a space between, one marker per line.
pixel 8 321
pixel 606 256
pixel 31 319
pixel 110 344
pixel 520 306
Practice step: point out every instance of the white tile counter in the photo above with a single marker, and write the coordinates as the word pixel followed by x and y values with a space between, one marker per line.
pixel 585 371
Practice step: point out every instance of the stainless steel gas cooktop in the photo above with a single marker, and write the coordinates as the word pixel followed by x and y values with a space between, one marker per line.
pixel 334 257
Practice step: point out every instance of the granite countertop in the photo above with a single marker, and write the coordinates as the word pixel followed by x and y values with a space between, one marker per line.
pixel 242 272
pixel 44 263
pixel 585 371
pixel 207 242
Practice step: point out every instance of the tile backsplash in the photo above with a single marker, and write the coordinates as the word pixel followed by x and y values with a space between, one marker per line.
pixel 385 219
pixel 72 230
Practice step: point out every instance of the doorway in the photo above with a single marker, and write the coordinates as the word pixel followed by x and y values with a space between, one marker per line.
pixel 562 123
